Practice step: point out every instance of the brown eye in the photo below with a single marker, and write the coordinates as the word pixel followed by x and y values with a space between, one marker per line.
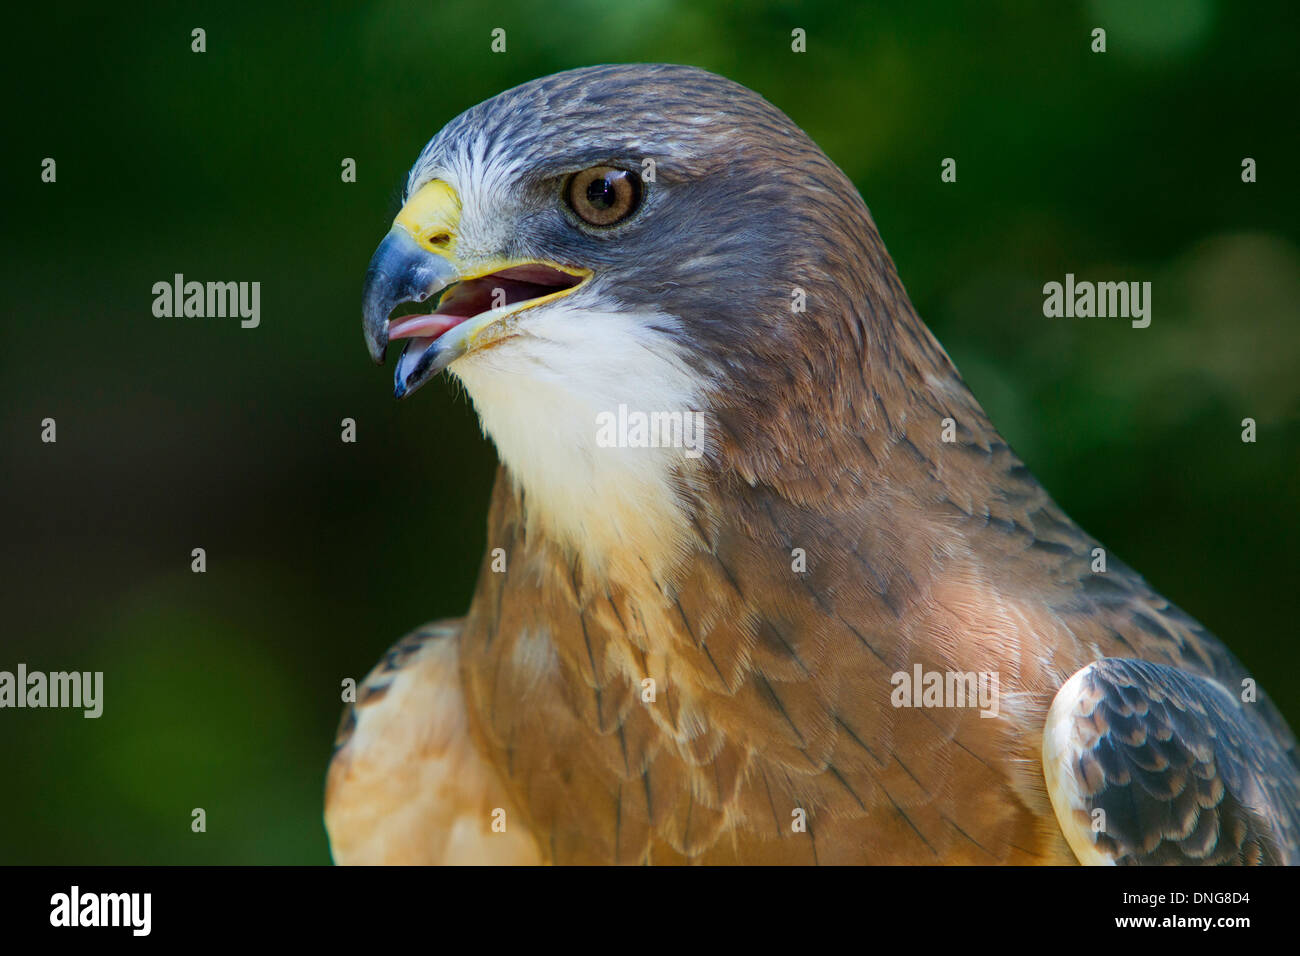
pixel 604 195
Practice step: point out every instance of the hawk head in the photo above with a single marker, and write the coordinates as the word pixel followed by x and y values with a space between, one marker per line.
pixel 651 238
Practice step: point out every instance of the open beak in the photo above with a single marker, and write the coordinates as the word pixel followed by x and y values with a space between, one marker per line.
pixel 417 263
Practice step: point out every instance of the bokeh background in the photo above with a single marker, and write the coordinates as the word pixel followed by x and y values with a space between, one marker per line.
pixel 222 689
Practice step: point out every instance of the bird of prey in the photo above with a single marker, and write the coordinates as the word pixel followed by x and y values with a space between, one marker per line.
pixel 764 645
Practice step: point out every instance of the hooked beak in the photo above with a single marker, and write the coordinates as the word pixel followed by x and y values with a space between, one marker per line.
pixel 400 271
pixel 417 261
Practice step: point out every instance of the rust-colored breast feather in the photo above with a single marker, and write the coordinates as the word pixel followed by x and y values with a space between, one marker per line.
pixel 771 736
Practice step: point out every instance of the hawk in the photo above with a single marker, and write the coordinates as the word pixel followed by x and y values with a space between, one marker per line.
pixel 703 650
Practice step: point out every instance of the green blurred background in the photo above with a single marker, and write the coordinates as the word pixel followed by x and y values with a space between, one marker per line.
pixel 222 689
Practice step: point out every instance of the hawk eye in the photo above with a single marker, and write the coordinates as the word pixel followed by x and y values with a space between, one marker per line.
pixel 604 195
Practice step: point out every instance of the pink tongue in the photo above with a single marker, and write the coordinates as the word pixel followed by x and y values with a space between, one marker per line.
pixel 423 326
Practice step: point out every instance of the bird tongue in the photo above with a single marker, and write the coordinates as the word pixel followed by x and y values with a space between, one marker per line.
pixel 424 326
pixel 468 299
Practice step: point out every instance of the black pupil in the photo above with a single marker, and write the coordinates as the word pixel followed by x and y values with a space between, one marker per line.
pixel 601 192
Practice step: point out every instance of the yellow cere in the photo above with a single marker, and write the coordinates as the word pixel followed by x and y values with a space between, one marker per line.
pixel 431 216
